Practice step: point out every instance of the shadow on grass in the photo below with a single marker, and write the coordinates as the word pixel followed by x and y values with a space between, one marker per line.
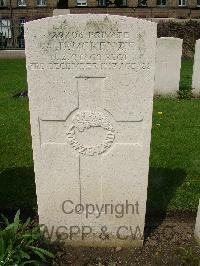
pixel 163 183
pixel 17 191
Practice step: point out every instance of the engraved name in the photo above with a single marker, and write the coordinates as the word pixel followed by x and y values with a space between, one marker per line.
pixel 94 46
pixel 91 50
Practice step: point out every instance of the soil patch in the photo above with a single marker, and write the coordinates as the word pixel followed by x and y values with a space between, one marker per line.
pixel 168 241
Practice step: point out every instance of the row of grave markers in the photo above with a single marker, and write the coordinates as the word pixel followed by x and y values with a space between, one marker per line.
pixel 168 66
pixel 91 82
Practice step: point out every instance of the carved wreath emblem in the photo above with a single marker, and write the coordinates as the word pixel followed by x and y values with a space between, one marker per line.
pixel 83 121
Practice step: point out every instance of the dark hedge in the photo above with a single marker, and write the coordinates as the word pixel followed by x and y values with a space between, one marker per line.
pixel 189 31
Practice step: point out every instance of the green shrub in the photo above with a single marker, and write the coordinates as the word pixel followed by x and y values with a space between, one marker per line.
pixel 185 93
pixel 19 243
pixel 187 257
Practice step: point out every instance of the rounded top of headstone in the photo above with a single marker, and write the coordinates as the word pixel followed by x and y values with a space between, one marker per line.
pixel 171 39
pixel 81 18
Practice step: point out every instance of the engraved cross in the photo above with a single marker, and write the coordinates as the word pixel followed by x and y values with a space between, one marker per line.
pixel 92 133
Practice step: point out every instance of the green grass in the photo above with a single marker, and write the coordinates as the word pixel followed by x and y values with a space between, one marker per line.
pixel 175 155
pixel 185 90
pixel 186 74
pixel 174 179
pixel 17 188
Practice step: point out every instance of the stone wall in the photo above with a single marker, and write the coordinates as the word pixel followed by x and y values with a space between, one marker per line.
pixel 12 54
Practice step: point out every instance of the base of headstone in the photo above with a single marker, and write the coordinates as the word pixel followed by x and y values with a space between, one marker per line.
pixel 197 238
pixel 197 227
pixel 104 244
pixel 195 94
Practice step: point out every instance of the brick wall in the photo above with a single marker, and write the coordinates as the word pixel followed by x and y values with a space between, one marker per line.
pixel 182 13
pixel 29 4
pixel 29 12
pixel 134 3
pixel 32 11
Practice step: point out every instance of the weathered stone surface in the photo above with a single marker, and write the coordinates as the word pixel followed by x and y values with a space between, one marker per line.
pixel 91 81
pixel 196 70
pixel 168 65
pixel 197 227
pixel 58 12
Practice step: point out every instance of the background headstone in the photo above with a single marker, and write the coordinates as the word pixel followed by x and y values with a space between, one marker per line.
pixel 196 71
pixel 91 81
pixel 168 65
pixel 58 12
pixel 197 227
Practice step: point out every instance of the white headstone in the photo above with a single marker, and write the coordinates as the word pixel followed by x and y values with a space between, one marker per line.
pixel 197 227
pixel 196 71
pixel 168 65
pixel 91 81
pixel 58 12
